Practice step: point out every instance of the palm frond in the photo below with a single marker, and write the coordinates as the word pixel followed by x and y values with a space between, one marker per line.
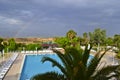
pixel 76 55
pixel 94 63
pixel 92 67
pixel 105 71
pixel 49 76
pixel 65 61
pixel 79 71
pixel 54 63
pixel 86 54
pixel 63 57
pixel 75 67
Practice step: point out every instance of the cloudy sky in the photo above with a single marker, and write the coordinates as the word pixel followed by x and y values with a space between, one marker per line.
pixel 49 18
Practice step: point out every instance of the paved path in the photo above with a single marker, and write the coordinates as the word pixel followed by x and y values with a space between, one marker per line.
pixel 14 71
pixel 4 58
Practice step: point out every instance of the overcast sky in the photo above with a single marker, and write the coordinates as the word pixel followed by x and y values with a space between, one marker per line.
pixel 49 18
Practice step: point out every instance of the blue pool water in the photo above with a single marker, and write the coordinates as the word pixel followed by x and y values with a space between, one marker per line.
pixel 33 65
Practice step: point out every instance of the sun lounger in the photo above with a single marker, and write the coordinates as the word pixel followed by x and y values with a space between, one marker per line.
pixel 6 66
pixel 1 76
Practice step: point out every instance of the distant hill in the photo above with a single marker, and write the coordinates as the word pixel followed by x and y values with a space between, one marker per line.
pixel 31 40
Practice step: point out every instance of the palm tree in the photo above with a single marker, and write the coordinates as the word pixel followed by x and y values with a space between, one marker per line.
pixel 75 66
pixel 85 38
pixel 71 34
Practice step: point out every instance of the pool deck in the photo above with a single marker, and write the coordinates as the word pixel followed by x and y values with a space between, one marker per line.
pixel 14 71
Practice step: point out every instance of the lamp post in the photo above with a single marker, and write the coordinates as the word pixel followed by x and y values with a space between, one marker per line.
pixel 2 56
pixel 36 49
pixel 7 50
pixel 23 49
pixel 3 52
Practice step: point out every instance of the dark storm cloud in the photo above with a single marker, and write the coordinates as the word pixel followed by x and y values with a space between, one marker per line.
pixel 49 18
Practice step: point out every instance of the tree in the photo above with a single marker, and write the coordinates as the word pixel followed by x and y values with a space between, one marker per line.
pixel 98 37
pixel 117 44
pixel 71 34
pixel 20 46
pixel 109 41
pixel 70 39
pixel 5 44
pixel 75 66
pixel 62 41
pixel 117 40
pixel 74 41
pixel 85 35
pixel 33 47
pixel 84 40
pixel 12 44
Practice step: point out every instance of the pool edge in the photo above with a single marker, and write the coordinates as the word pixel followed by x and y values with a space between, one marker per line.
pixel 24 56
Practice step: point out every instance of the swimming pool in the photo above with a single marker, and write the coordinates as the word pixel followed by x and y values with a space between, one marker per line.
pixel 33 65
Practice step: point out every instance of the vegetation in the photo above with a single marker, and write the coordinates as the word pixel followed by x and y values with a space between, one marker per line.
pixel 1 45
pixel 70 39
pixel 11 46
pixel 71 34
pixel 62 41
pixel 117 43
pixel 97 38
pixel 75 61
pixel 85 39
pixel 75 66
pixel 49 76
pixel 33 47
pixel 109 41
